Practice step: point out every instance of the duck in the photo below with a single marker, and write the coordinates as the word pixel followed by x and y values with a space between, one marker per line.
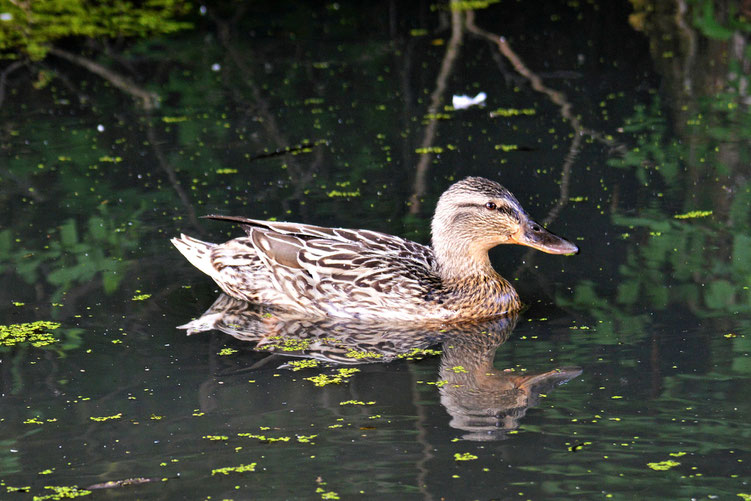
pixel 368 275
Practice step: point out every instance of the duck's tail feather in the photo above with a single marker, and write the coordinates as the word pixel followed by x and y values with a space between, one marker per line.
pixel 197 252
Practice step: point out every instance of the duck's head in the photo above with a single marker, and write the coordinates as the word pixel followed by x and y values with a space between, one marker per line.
pixel 476 214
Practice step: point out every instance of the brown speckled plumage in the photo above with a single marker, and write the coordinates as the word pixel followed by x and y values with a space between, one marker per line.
pixel 369 275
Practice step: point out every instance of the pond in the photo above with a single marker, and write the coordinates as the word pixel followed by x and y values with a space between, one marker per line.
pixel 624 376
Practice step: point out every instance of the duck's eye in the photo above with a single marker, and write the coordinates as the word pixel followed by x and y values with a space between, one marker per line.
pixel 491 206
pixel 536 228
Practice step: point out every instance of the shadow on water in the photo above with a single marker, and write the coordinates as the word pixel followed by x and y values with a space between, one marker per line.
pixel 482 400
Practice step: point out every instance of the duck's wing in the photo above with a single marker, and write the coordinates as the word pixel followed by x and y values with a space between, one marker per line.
pixel 301 230
pixel 372 240
pixel 332 271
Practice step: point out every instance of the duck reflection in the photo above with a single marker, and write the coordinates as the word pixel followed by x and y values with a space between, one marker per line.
pixel 483 401
pixel 326 339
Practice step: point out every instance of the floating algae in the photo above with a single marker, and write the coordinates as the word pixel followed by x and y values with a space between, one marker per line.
pixel 34 333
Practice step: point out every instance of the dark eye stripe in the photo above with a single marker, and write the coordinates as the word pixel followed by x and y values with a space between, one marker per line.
pixel 511 213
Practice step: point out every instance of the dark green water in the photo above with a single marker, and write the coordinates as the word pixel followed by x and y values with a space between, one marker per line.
pixel 318 115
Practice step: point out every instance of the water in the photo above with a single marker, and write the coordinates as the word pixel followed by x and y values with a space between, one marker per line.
pixel 623 378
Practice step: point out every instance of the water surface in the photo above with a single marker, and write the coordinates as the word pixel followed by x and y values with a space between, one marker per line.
pixel 331 123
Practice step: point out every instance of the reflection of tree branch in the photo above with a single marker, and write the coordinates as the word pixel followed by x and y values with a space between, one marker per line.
pixel 689 36
pixel 559 99
pixel 452 52
pixel 298 176
pixel 459 21
pixel 61 77
pixel 26 188
pixel 568 162
pixel 147 98
pixel 4 77
pixel 535 81
pixel 404 62
pixel 170 171
pixel 422 438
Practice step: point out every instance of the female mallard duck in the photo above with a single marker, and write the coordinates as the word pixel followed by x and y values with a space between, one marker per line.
pixel 369 275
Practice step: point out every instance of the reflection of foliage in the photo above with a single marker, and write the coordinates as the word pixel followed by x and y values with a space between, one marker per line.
pixel 106 171
pixel 716 20
pixel 706 20
pixel 652 152
pixel 18 337
pixel 613 325
pixel 75 256
pixel 702 262
pixel 677 261
pixel 718 121
pixel 31 26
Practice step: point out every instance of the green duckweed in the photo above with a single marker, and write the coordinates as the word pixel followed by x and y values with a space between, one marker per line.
pixel 234 469
pixel 663 465
pixel 106 418
pixel 36 334
pixel 341 376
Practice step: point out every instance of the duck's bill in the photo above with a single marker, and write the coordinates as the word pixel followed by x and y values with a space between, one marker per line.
pixel 535 236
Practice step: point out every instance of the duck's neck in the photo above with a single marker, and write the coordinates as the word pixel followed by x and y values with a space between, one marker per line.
pixel 458 261
pixel 471 285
